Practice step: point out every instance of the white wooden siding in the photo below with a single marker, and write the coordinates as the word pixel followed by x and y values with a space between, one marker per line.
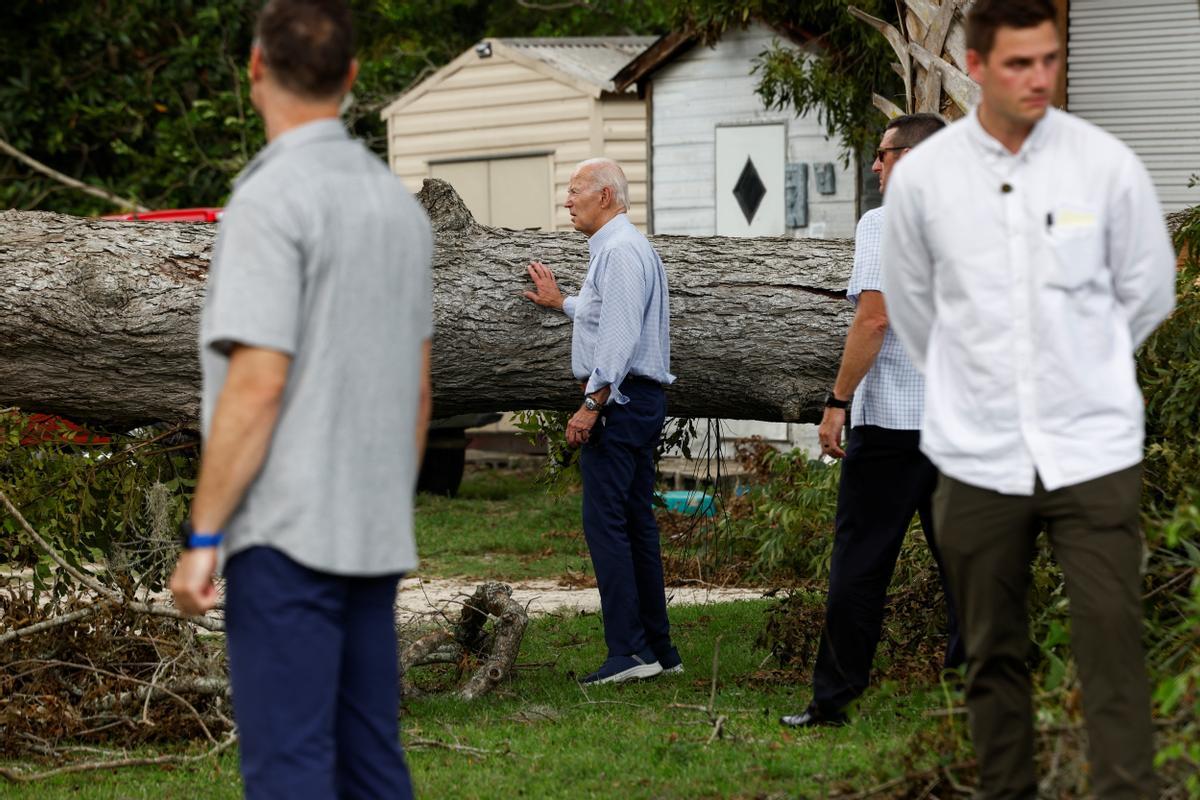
pixel 691 96
pixel 707 87
pixel 1134 70
pixel 483 108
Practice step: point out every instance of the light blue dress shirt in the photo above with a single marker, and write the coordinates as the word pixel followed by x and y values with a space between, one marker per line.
pixel 622 314
pixel 892 394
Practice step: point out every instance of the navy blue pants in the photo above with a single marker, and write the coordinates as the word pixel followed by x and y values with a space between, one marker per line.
pixel 618 519
pixel 885 480
pixel 313 664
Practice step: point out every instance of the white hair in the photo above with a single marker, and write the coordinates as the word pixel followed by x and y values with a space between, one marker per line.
pixel 606 173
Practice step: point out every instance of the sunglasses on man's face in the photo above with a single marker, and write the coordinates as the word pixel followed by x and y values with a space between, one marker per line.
pixel 883 151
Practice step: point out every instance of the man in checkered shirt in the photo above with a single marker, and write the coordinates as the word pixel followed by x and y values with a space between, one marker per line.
pixel 885 477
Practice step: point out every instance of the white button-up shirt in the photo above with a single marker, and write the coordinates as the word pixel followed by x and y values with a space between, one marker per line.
pixel 1021 284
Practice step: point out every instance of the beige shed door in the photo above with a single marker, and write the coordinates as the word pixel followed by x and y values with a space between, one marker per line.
pixel 503 192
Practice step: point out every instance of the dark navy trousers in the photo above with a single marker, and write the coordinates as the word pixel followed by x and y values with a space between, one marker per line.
pixel 313 665
pixel 618 519
pixel 885 480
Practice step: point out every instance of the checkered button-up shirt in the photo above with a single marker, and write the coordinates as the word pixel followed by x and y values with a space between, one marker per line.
pixel 622 315
pixel 892 395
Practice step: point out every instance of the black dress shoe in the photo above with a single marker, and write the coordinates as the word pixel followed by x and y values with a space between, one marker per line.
pixel 812 717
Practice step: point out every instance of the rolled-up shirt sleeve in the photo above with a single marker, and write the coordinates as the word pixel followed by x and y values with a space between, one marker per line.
pixel 1140 254
pixel 907 269
pixel 569 303
pixel 621 282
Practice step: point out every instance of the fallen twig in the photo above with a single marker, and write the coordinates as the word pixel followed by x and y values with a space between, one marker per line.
pixel 477 752
pixel 90 581
pixel 48 624
pixel 17 776
pixel 906 778
pixel 66 180
pixel 490 601
pixel 712 695
pixel 150 687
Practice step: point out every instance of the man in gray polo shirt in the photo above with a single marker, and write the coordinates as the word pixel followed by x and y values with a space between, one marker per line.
pixel 315 353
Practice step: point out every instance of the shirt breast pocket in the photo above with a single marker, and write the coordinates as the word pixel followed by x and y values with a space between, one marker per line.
pixel 1076 242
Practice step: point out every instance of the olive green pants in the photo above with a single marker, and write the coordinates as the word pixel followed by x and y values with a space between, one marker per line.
pixel 987 542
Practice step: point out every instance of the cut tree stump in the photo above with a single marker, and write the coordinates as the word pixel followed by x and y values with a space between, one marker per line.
pixel 497 649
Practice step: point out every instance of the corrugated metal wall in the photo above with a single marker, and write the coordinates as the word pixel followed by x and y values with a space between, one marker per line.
pixel 1133 68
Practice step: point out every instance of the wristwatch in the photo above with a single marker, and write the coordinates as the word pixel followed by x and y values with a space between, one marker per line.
pixel 590 403
pixel 831 401
pixel 190 540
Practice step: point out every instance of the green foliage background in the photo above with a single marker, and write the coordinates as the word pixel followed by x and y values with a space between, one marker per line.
pixel 149 99
pixel 849 60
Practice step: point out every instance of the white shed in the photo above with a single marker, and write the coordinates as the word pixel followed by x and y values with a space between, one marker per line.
pixel 724 164
pixel 507 121
pixel 721 163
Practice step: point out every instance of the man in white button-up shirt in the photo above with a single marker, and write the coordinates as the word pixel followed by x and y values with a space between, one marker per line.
pixel 1025 258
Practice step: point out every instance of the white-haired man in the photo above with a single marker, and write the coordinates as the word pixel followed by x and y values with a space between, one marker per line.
pixel 621 354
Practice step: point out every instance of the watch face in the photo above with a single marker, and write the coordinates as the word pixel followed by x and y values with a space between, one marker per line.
pixel 185 533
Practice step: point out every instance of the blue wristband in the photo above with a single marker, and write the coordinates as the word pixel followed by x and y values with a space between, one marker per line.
pixel 205 540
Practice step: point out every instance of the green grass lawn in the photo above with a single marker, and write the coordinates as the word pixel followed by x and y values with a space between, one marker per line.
pixel 503 525
pixel 546 737
pixel 549 738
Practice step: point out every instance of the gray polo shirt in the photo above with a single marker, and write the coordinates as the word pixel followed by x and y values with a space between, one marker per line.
pixel 322 254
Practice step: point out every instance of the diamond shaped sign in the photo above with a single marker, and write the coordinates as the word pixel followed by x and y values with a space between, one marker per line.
pixel 749 191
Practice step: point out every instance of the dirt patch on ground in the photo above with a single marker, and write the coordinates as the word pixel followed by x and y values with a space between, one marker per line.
pixel 420 597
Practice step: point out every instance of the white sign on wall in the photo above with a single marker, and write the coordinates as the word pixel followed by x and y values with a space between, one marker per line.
pixel 750 180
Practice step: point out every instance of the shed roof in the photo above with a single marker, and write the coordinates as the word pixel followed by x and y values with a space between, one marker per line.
pixel 670 46
pixel 593 59
pixel 586 62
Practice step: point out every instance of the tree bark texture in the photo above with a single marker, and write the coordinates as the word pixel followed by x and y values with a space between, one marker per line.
pixel 98 320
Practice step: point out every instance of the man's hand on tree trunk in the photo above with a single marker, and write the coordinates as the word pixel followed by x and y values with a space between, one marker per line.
pixel 546 293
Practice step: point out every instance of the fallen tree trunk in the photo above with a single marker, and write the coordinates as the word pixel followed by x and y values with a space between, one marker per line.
pixel 98 319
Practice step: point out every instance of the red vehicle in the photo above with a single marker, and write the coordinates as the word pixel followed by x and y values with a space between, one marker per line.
pixel 49 429
pixel 171 215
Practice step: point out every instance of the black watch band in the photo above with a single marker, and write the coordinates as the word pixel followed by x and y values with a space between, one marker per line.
pixel 832 402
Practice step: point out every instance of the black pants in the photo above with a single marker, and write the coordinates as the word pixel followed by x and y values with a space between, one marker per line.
pixel 618 520
pixel 885 480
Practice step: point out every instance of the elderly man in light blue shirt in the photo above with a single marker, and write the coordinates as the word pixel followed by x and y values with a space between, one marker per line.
pixel 621 355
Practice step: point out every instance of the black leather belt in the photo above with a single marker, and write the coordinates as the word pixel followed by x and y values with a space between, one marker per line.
pixel 639 380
